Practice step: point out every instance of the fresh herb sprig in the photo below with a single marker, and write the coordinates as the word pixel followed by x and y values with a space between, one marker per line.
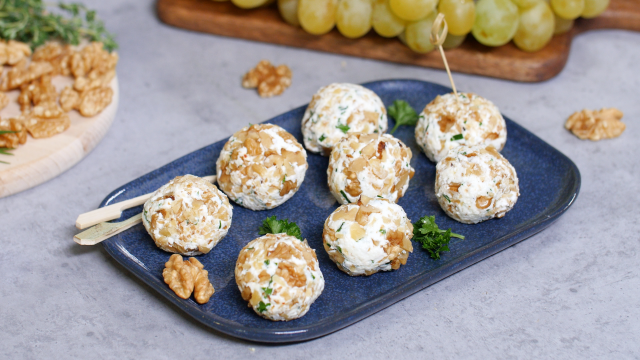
pixel 31 22
pixel 5 151
pixel 434 240
pixel 402 113
pixel 272 225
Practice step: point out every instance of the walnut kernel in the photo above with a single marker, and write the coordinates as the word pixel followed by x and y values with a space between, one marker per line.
pixel 268 79
pixel 596 125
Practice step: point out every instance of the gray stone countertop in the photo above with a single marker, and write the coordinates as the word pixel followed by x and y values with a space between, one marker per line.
pixel 570 292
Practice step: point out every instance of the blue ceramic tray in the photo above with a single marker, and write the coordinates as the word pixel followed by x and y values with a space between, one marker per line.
pixel 549 183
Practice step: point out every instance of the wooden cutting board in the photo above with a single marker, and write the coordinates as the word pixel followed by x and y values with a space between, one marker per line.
pixel 39 160
pixel 505 62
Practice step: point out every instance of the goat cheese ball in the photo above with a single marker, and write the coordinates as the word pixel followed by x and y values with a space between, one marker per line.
pixel 447 122
pixel 370 236
pixel 476 183
pixel 188 216
pixel 339 109
pixel 261 166
pixel 376 166
pixel 279 276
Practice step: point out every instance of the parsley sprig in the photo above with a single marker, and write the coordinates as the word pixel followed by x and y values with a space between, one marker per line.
pixel 31 22
pixel 434 240
pixel 272 225
pixel 403 114
pixel 343 128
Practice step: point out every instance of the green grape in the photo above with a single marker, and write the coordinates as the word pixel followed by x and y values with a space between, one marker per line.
pixel 593 8
pixel 418 32
pixel 526 3
pixel 384 21
pixel 453 41
pixel 289 11
pixel 412 10
pixel 496 22
pixel 249 4
pixel 403 38
pixel 459 14
pixel 567 9
pixel 353 17
pixel 535 27
pixel 317 17
pixel 562 25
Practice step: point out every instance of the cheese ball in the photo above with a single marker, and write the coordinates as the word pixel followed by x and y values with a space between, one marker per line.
pixel 279 276
pixel 447 122
pixel 338 109
pixel 188 216
pixel 370 236
pixel 261 166
pixel 476 183
pixel 376 166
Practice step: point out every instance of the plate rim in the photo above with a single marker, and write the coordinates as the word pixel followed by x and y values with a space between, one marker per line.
pixel 366 309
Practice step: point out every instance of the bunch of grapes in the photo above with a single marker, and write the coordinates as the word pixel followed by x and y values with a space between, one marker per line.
pixel 529 23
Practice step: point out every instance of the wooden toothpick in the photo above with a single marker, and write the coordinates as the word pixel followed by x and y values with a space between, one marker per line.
pixel 437 38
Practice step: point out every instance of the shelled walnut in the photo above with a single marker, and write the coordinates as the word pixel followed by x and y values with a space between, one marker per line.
pixel 185 277
pixel 269 80
pixel 596 124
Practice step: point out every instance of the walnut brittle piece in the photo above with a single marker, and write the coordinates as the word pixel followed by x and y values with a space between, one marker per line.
pixel 185 277
pixel 16 51
pixel 95 100
pixel 40 128
pixel 12 140
pixel 69 99
pixel 22 74
pixel 4 100
pixel 596 125
pixel 269 80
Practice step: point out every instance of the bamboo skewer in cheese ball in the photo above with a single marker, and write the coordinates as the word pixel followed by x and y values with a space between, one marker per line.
pixel 261 166
pixel 457 119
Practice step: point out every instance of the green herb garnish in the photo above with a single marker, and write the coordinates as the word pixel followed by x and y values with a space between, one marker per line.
pixel 262 306
pixel 345 196
pixel 2 132
pixel 434 240
pixel 343 128
pixel 402 113
pixel 31 22
pixel 383 231
pixel 271 225
pixel 321 138
pixel 457 137
pixel 446 197
pixel 266 262
pixel 340 228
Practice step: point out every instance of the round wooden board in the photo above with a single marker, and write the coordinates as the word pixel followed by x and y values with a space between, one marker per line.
pixel 39 160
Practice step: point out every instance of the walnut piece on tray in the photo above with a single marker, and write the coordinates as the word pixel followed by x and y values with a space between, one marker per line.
pixel 596 125
pixel 185 277
pixel 269 80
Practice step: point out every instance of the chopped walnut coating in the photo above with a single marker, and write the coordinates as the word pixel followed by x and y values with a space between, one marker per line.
pixel 269 80
pixel 95 100
pixel 40 128
pixel 596 125
pixel 187 277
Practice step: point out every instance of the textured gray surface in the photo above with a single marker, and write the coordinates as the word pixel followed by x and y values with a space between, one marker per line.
pixel 570 292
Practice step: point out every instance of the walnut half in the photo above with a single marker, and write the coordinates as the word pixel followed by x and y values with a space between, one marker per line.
pixel 187 277
pixel 596 125
pixel 269 80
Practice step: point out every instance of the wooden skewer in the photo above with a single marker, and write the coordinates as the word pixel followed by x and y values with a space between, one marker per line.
pixel 114 211
pixel 105 230
pixel 437 38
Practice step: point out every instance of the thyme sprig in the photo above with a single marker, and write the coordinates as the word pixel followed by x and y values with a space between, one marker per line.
pixel 31 22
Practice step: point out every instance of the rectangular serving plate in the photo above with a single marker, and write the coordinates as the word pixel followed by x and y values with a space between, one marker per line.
pixel 549 183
